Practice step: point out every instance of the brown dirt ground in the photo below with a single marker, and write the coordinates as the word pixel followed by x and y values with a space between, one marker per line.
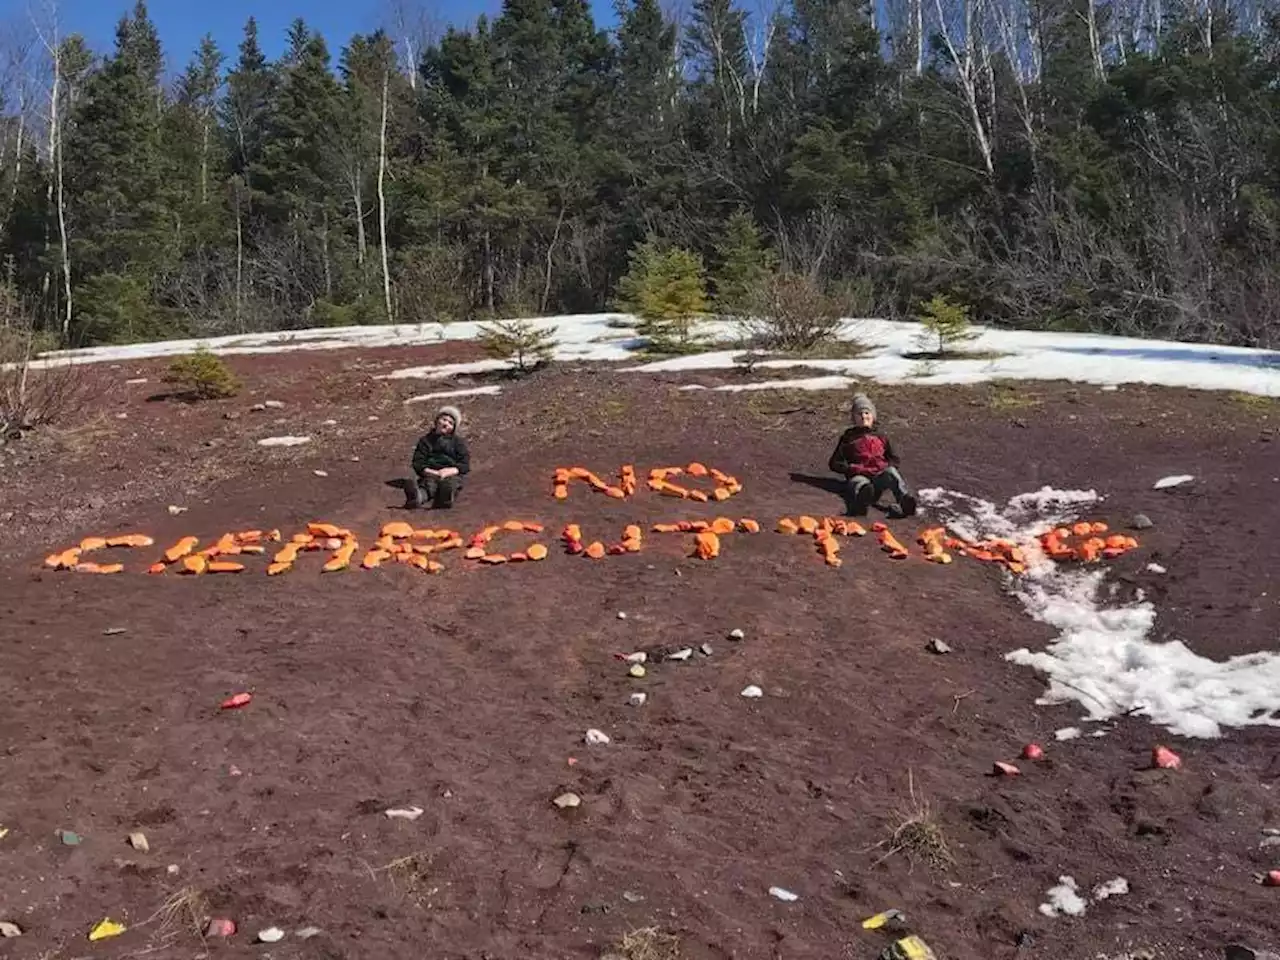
pixel 468 693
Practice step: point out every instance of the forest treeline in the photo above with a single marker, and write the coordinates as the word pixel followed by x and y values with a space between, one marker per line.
pixel 1054 164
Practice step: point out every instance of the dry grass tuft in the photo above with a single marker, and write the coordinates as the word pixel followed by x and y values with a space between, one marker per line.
pixel 648 943
pixel 186 909
pixel 918 834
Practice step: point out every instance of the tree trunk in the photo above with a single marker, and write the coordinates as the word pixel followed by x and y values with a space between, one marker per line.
pixel 239 263
pixel 204 163
pixel 382 198
pixel 55 156
pixel 488 271
pixel 967 72
pixel 1095 40
pixel 17 158
pixel 324 252
pixel 551 249
pixel 361 240
pixel 918 9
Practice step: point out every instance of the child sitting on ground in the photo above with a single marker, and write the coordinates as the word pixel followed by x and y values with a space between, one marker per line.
pixel 866 459
pixel 440 461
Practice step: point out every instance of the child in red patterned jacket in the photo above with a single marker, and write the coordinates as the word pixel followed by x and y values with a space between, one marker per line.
pixel 866 459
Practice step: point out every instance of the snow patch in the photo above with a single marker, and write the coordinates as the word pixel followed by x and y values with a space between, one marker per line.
pixel 811 383
pixel 1012 354
pixel 1156 568
pixel 1063 899
pixel 491 391
pixel 1103 657
pixel 1067 733
pixel 445 370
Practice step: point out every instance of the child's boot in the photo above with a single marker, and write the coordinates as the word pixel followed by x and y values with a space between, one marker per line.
pixel 446 490
pixel 864 495
pixel 412 494
pixel 907 503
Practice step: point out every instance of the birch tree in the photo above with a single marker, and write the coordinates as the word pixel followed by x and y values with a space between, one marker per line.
pixel 966 47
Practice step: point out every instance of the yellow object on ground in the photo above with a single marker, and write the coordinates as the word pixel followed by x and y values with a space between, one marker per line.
pixel 908 948
pixel 107 928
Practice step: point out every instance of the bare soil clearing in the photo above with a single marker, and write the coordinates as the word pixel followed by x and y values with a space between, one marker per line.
pixel 467 693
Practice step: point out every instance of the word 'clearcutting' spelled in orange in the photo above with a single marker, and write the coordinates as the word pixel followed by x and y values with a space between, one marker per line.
pixel 1092 547
pixel 478 547
pixel 726 486
pixel 400 542
pixel 563 475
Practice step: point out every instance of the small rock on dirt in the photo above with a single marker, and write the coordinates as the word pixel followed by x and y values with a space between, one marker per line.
pixel 638 700
pixel 630 897
pixel 567 801
pixel 1112 888
pixel 220 927
pixel 753 692
pixel 138 841
pixel 1167 483
pixel 638 657
pixel 9 929
pixel 596 738
pixel 175 510
pixel 939 647
pixel 705 650
pixel 231 415
pixel 257 408
pixel 69 838
pixel 636 671
pixel 113 631
pixel 320 473
pixel 737 635
pixel 308 933
pixel 786 896
pixel 404 813
pixel 684 654
pixel 622 615
pixel 274 404
pixel 270 935
pixel 1141 521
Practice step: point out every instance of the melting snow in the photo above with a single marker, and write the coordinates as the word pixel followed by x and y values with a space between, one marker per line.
pixel 490 391
pixel 1064 899
pixel 1013 354
pixel 1103 657
pixel 812 383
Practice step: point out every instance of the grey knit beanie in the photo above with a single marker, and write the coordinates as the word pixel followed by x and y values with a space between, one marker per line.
pixel 862 402
pixel 452 413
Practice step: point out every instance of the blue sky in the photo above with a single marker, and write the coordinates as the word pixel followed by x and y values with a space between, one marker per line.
pixel 182 23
